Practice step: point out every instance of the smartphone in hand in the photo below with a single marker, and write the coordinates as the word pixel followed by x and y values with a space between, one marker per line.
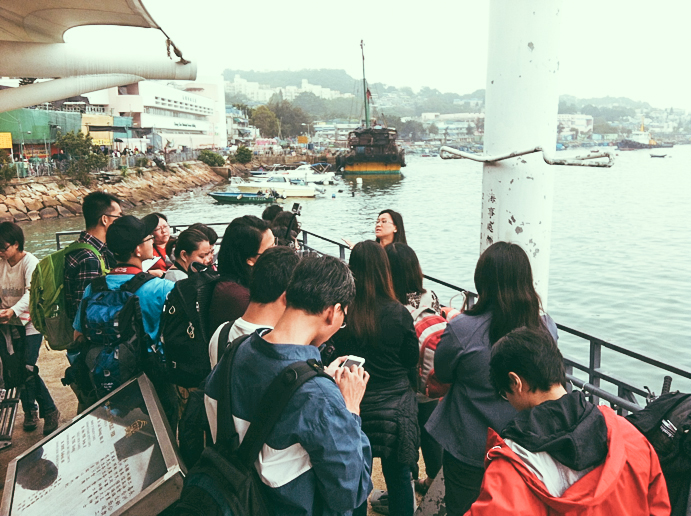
pixel 352 360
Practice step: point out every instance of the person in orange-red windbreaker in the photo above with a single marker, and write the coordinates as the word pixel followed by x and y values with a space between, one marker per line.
pixel 561 455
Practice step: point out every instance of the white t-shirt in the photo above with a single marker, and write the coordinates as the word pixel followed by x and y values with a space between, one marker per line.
pixel 240 327
pixel 14 289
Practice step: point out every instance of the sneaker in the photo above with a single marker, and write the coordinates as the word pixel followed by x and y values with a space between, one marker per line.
pixel 30 420
pixel 51 422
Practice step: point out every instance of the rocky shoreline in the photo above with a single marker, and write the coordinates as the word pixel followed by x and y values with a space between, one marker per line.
pixel 36 198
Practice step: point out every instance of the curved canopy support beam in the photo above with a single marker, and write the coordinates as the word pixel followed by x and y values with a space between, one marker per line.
pixel 51 60
pixel 38 93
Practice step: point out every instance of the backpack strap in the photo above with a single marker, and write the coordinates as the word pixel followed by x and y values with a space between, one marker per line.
pixel 223 340
pixel 226 435
pixel 273 403
pixel 134 284
pixel 99 285
pixel 75 246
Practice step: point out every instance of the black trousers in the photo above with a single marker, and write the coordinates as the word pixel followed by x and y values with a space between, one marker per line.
pixel 462 483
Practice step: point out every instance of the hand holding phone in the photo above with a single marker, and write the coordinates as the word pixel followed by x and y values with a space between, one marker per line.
pixel 352 360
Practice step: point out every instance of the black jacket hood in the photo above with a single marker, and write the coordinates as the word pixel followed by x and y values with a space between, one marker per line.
pixel 571 429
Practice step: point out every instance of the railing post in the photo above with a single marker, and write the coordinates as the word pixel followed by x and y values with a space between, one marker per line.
pixel 569 371
pixel 304 238
pixel 341 249
pixel 595 362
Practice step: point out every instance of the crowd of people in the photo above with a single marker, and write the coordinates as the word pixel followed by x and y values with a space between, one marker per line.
pixel 481 394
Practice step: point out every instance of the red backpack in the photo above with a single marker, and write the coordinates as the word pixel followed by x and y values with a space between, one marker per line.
pixel 429 328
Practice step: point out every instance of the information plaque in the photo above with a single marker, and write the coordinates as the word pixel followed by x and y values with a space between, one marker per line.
pixel 116 458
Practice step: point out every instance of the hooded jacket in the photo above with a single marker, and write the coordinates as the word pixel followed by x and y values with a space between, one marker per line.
pixel 624 478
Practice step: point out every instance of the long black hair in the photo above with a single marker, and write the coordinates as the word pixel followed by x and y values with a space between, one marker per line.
pixel 370 268
pixel 504 283
pixel 397 218
pixel 241 241
pixel 406 272
pixel 189 241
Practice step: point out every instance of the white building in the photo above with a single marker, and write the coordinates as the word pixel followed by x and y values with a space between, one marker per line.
pixel 262 93
pixel 583 123
pixel 188 114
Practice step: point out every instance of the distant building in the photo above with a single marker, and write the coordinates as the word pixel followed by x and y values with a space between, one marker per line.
pixel 262 93
pixel 181 115
pixel 582 123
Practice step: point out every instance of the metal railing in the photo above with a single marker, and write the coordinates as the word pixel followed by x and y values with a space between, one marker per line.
pixel 624 401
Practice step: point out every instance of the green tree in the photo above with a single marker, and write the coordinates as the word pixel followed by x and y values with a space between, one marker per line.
pixel 292 118
pixel 211 158
pixel 266 121
pixel 243 155
pixel 84 156
pixel 433 129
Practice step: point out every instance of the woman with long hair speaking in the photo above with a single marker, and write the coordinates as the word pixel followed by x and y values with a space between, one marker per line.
pixel 507 300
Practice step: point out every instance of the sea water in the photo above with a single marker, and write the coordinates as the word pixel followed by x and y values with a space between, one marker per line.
pixel 621 242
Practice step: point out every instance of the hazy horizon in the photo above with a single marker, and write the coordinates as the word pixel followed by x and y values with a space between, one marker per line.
pixel 618 48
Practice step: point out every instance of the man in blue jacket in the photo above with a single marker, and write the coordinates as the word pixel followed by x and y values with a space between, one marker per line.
pixel 316 460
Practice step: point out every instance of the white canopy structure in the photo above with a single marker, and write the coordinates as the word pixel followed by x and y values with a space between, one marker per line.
pixel 32 45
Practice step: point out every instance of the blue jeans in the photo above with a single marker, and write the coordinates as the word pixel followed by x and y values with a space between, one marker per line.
pixel 399 486
pixel 34 390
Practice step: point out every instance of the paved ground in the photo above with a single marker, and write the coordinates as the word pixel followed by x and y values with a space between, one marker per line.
pixel 52 365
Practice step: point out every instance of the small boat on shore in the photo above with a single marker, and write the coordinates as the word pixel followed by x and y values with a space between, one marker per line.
pixel 658 155
pixel 242 198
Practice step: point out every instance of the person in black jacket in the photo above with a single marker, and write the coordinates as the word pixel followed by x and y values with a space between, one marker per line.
pixel 380 330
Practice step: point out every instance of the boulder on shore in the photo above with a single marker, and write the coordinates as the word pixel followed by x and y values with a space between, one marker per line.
pixel 64 212
pixel 48 213
pixel 33 215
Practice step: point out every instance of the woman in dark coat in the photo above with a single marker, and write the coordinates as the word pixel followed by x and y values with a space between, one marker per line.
pixel 380 330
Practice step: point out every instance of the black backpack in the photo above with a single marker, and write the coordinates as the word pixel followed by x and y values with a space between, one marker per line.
pixel 225 480
pixel 186 331
pixel 116 347
pixel 666 423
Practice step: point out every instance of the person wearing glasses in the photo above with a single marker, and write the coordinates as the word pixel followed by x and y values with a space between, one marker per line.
pixel 161 238
pixel 99 209
pixel 16 269
pixel 507 300
pixel 82 266
pixel 131 240
pixel 244 241
pixel 380 330
pixel 388 228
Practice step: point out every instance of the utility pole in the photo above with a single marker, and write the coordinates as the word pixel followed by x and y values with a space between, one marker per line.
pixel 521 112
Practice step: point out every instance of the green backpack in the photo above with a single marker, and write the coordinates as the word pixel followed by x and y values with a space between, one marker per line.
pixel 47 298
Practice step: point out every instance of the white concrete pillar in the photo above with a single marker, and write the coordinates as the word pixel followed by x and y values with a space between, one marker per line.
pixel 521 112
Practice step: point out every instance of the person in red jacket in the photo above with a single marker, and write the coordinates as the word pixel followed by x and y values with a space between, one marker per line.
pixel 561 455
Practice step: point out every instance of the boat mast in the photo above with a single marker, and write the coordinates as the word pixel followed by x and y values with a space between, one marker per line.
pixel 364 85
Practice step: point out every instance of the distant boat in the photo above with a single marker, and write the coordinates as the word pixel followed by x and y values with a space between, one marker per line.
pixel 641 140
pixel 658 155
pixel 242 198
pixel 283 185
pixel 373 148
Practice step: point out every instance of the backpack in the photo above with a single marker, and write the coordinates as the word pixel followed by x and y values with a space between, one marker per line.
pixel 47 297
pixel 186 331
pixel 429 327
pixel 666 423
pixel 116 347
pixel 194 423
pixel 225 480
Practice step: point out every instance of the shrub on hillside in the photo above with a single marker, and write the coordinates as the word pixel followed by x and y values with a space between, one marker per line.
pixel 243 155
pixel 211 158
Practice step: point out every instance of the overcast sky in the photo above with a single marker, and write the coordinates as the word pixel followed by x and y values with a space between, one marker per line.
pixel 634 48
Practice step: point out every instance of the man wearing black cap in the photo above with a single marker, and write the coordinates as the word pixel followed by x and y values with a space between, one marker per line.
pixel 131 241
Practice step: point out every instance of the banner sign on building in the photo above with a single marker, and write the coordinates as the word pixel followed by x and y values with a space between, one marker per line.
pixel 5 140
pixel 302 139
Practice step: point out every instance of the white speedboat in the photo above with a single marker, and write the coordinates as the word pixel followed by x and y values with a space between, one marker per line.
pixel 283 185
pixel 306 173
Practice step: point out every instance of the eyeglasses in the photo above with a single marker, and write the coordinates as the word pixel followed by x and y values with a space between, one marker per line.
pixel 4 249
pixel 383 221
pixel 114 216
pixel 150 237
